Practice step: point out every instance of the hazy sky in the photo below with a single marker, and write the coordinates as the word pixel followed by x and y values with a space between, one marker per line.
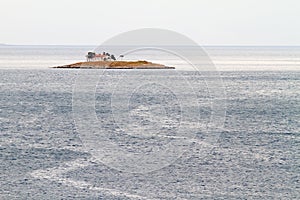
pixel 208 22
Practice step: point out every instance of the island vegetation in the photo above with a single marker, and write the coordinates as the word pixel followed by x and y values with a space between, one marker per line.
pixel 108 61
pixel 115 65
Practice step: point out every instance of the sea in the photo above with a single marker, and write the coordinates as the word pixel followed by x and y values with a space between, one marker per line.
pixel 230 130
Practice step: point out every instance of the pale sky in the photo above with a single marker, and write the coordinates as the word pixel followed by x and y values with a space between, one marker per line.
pixel 208 22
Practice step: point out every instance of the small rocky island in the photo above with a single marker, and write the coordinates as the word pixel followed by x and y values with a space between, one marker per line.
pixel 108 61
pixel 115 65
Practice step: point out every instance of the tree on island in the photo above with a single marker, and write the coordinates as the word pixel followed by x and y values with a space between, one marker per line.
pixel 113 57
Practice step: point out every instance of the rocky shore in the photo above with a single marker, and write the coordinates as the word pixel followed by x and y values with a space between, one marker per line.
pixel 115 65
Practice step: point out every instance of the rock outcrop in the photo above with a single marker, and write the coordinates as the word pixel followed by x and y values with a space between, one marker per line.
pixel 116 65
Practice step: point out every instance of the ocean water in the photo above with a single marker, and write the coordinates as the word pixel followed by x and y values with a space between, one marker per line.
pixel 239 140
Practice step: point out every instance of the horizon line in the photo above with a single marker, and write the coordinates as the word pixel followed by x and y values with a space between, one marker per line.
pixel 206 45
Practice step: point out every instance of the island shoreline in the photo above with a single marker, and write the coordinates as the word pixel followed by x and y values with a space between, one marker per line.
pixel 115 65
